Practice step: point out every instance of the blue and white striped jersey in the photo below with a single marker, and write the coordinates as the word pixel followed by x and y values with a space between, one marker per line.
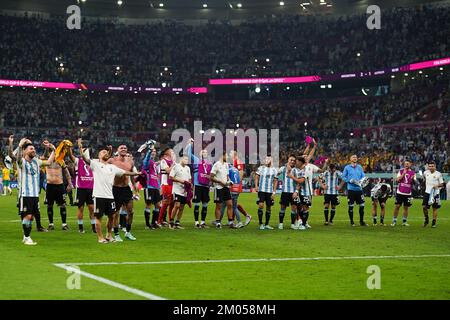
pixel 332 180
pixel 30 178
pixel 289 184
pixel 305 187
pixel 266 178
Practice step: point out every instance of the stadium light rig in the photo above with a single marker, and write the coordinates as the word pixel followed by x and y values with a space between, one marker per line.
pixel 119 3
pixel 281 3
pixel 205 5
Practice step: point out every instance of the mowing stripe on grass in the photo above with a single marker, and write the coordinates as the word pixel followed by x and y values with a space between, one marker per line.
pixel 261 260
pixel 109 282
pixel 335 220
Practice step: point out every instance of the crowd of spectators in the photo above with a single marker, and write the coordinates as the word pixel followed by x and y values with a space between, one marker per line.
pixel 38 48
pixel 381 139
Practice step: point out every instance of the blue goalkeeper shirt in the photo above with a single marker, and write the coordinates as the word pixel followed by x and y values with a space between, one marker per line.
pixel 353 173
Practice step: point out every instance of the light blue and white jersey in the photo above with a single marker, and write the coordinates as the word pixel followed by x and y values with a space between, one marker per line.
pixel 332 180
pixel 30 178
pixel 305 187
pixel 289 184
pixel 267 175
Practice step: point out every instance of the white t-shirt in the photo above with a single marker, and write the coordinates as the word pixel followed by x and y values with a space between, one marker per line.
pixel 164 176
pixel 310 169
pixel 183 173
pixel 220 172
pixel 104 174
pixel 432 179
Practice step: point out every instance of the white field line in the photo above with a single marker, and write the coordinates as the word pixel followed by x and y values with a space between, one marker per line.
pixel 260 260
pixel 69 267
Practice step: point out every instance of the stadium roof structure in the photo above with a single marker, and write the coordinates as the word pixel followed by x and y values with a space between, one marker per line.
pixel 195 9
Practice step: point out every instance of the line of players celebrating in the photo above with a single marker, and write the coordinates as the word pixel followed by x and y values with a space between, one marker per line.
pixel 104 186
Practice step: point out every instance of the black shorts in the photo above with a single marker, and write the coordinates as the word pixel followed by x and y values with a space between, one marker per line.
pixel 201 194
pixel 152 196
pixel 405 200
pixel 436 204
pixel 55 193
pixel 103 206
pixel 305 200
pixel 286 199
pixel 83 197
pixel 332 199
pixel 179 198
pixel 265 197
pixel 355 196
pixel 122 196
pixel 381 201
pixel 28 205
pixel 222 195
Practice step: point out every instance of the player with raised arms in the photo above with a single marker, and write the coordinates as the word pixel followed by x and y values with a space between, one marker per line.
pixel 29 165
pixel 123 195
pixel 84 184
pixel 104 177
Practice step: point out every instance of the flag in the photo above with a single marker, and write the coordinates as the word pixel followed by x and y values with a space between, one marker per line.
pixel 61 151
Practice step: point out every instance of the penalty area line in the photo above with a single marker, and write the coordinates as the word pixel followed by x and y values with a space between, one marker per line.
pixel 260 260
pixel 70 268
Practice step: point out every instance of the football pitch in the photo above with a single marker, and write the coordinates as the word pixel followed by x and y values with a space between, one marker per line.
pixel 325 262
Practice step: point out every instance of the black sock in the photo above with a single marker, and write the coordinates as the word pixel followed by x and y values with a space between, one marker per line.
pixel 93 228
pixel 333 212
pixel 350 214
pixel 267 217
pixel 374 219
pixel 282 212
pixel 155 216
pixel 260 215
pixel 80 227
pixel 325 212
pixel 128 227
pixel 37 216
pixel 116 231
pixel 147 217
pixel 63 212
pixel 434 222
pixel 26 230
pixel 361 214
pixel 196 212
pixel 305 216
pixel 122 220
pixel 381 219
pixel 177 222
pixel 293 216
pixel 50 214
pixel 204 212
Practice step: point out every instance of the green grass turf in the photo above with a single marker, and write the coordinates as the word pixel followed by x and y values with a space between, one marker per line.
pixel 29 272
